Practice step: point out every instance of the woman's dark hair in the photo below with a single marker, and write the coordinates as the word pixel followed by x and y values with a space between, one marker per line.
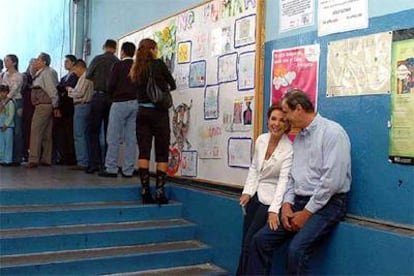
pixel 143 59
pixel 278 106
pixel 297 96
pixel 15 60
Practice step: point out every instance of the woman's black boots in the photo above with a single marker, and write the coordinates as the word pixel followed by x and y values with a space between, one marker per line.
pixel 160 197
pixel 145 191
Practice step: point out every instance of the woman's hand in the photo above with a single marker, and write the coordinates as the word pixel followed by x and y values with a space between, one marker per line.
pixel 287 215
pixel 273 220
pixel 244 199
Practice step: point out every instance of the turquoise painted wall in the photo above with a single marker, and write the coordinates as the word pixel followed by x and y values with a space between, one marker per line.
pixel 375 8
pixel 380 190
pixel 30 27
pixel 112 19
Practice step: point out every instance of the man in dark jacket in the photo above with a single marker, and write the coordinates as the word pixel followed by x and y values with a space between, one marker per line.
pixel 64 151
pixel 99 72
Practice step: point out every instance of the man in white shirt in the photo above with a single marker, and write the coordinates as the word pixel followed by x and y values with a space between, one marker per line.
pixel 81 94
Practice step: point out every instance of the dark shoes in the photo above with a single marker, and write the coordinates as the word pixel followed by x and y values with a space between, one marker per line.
pixel 146 196
pixel 78 168
pixel 91 170
pixel 160 197
pixel 107 174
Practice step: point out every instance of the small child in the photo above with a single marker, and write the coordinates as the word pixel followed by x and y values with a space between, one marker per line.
pixel 7 111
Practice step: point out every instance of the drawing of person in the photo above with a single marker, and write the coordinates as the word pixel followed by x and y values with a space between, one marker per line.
pixel 248 114
pixel 237 115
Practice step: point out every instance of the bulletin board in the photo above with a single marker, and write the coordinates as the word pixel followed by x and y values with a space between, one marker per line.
pixel 215 53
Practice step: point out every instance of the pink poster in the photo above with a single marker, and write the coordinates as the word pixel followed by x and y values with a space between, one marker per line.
pixel 295 68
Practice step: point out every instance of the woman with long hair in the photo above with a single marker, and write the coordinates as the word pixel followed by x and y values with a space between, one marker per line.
pixel 14 80
pixel 152 122
pixel 266 181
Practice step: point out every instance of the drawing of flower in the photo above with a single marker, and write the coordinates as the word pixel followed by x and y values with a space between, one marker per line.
pixel 166 44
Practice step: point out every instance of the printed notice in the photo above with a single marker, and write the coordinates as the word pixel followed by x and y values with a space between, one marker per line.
pixel 402 103
pixel 359 65
pixel 336 16
pixel 294 14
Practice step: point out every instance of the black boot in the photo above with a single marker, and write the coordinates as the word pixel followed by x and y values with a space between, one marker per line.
pixel 145 190
pixel 159 192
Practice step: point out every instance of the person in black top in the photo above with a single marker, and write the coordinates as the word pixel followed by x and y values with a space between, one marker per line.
pixel 122 116
pixel 151 122
pixel 64 149
pixel 99 72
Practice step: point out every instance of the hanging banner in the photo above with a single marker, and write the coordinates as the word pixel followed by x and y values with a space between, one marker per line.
pixel 336 16
pixel 295 68
pixel 402 102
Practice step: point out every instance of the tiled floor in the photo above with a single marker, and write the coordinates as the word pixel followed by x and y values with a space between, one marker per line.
pixel 55 177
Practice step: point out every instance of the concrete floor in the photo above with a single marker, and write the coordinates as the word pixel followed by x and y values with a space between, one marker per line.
pixel 55 177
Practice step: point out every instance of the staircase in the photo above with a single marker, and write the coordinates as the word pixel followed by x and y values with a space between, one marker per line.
pixel 89 231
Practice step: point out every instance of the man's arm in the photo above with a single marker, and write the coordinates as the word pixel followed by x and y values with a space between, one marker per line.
pixel 90 72
pixel 335 171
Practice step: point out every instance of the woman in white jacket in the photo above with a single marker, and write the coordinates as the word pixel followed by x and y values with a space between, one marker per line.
pixel 266 181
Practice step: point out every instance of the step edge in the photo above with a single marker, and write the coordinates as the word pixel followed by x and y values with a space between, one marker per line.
pixel 176 222
pixel 194 247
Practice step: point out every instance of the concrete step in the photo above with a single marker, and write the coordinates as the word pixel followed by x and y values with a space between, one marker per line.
pixel 69 195
pixel 83 213
pixel 42 239
pixel 107 260
pixel 191 270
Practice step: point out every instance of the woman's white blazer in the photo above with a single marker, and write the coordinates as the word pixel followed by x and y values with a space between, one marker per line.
pixel 269 179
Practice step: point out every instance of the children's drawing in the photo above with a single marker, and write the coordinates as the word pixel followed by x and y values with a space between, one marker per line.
pixel 227 70
pixel 174 160
pixel 245 31
pixel 184 52
pixel 232 8
pixel 200 45
pixel 221 40
pixel 211 104
pixel 211 11
pixel 216 42
pixel 186 21
pixel 248 111
pixel 166 39
pixel 240 119
pixel 181 125
pixel 246 70
pixel 189 160
pixel 197 73
pixel 249 4
pixel 239 152
pixel 181 75
pixel 209 141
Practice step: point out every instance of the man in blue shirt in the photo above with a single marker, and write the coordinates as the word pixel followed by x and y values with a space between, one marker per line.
pixel 315 199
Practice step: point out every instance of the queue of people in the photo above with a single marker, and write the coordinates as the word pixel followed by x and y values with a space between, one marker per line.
pixel 68 118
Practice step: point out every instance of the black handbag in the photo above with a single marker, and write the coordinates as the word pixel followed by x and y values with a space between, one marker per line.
pixel 160 98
